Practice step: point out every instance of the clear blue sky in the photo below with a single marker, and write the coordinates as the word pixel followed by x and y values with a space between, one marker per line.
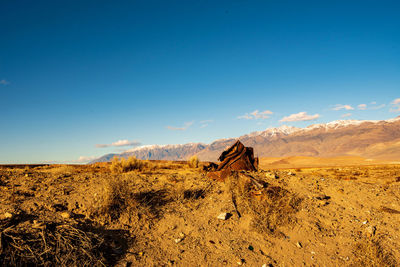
pixel 76 74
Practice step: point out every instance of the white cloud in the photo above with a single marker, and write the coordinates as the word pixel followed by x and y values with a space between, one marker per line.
pixel 396 101
pixel 378 107
pixel 362 106
pixel 4 82
pixel 245 117
pixel 183 128
pixel 395 105
pixel 255 115
pixel 346 115
pixel 205 123
pixel 372 106
pixel 301 116
pixel 119 143
pixel 340 106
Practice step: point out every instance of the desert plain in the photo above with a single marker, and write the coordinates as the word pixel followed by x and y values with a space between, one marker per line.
pixel 341 211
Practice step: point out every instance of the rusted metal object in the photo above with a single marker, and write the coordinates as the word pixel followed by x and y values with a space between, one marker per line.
pixel 236 158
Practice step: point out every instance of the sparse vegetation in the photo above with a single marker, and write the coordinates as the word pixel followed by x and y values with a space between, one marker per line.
pixel 372 252
pixel 59 244
pixel 121 165
pixel 194 162
pixel 90 215
pixel 116 199
pixel 270 208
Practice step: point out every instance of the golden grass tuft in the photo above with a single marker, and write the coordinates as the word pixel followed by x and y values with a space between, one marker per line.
pixel 56 244
pixel 193 162
pixel 116 199
pixel 119 201
pixel 121 165
pixel 270 208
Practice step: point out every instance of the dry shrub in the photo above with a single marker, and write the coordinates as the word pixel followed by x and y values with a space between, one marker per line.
pixel 372 252
pixel 55 245
pixel 270 207
pixel 121 165
pixel 274 209
pixel 183 194
pixel 66 170
pixel 117 198
pixel 193 162
pixel 119 202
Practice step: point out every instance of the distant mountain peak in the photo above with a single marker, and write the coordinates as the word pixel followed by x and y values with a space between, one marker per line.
pixel 372 138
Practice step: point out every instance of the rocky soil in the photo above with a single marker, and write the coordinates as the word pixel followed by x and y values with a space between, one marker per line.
pixel 171 214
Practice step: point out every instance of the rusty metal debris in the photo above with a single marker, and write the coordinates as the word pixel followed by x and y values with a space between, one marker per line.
pixel 236 158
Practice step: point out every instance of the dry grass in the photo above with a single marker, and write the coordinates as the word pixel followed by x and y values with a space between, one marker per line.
pixel 119 201
pixel 372 252
pixel 61 170
pixel 274 209
pixel 121 165
pixel 116 199
pixel 55 244
pixel 193 162
pixel 270 207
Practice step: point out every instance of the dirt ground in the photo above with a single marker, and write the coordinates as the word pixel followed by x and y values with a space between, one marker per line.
pixel 168 215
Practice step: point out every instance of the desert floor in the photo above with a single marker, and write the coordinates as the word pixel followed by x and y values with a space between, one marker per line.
pixel 166 213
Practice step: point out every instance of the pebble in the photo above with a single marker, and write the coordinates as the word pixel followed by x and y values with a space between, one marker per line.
pixel 224 216
pixel 8 215
pixel 370 230
pixel 65 215
pixel 299 245
pixel 178 240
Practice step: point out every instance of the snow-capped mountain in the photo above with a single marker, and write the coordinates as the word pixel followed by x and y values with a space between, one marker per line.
pixel 375 139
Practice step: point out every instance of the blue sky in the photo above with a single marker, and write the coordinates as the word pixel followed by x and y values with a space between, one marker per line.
pixel 77 78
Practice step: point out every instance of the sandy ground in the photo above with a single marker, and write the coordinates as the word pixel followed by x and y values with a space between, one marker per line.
pixel 322 216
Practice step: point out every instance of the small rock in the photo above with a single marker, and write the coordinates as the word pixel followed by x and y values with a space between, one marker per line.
pixel 370 231
pixel 364 222
pixel 178 240
pixel 240 262
pixel 8 215
pixel 224 216
pixel 299 245
pixel 182 235
pixel 65 215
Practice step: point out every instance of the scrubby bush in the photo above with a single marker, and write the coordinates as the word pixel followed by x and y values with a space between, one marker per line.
pixel 118 198
pixel 193 162
pixel 120 165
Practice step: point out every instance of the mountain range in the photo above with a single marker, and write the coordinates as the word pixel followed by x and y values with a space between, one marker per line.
pixel 365 138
